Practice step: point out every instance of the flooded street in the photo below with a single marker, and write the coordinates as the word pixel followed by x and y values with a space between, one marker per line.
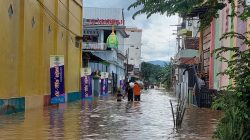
pixel 104 118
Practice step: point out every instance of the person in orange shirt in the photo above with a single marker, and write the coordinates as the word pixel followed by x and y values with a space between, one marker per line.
pixel 137 92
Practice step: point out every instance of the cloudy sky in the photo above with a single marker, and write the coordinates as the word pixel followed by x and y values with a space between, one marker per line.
pixel 157 39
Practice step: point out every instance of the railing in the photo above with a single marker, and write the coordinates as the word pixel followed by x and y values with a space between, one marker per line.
pixel 94 46
pixel 191 43
pixel 187 53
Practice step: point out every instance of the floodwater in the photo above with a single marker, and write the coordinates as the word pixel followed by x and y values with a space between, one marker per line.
pixel 104 118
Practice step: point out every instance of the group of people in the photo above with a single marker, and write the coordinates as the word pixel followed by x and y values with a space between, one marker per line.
pixel 133 92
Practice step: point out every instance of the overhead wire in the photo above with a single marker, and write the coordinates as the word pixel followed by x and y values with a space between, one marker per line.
pixel 55 19
pixel 70 11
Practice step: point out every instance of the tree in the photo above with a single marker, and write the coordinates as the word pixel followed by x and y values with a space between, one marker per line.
pixel 164 76
pixel 236 102
pixel 151 72
pixel 185 7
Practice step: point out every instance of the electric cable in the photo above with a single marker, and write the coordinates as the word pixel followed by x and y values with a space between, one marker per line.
pixel 69 11
pixel 53 17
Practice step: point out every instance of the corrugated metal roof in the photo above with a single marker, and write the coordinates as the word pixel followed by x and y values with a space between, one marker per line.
pixel 102 13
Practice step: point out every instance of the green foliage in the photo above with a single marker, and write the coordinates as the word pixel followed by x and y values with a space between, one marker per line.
pixel 155 74
pixel 186 7
pixel 233 126
pixel 166 76
pixel 150 72
pixel 235 102
pixel 181 7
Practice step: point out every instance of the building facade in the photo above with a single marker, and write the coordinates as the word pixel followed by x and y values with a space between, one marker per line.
pixel 98 24
pixel 32 31
pixel 133 49
pixel 208 66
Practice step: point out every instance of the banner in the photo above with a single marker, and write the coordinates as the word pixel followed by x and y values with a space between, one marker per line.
pixel 102 89
pixel 122 83
pixel 57 79
pixel 104 86
pixel 86 82
pixel 104 83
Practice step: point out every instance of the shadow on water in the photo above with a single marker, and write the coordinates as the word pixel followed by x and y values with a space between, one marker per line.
pixel 105 118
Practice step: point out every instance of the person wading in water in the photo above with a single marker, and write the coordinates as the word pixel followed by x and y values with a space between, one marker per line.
pixel 129 91
pixel 137 92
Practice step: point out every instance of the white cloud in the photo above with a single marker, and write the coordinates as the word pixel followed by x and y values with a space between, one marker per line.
pixel 157 39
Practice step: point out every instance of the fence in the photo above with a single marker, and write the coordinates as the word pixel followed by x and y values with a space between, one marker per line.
pixel 204 98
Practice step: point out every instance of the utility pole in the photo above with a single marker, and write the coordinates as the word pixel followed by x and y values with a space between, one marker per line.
pixel 127 54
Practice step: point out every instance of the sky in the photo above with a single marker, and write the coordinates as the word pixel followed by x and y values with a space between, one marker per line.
pixel 158 43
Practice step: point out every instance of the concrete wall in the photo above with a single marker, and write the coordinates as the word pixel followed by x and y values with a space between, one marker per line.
pixel 28 38
pixel 226 23
pixel 218 43
pixel 222 25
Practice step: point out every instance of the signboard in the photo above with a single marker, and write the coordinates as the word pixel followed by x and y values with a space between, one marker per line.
pixel 91 32
pixel 57 79
pixel 104 75
pixel 85 71
pixel 86 82
pixel 104 22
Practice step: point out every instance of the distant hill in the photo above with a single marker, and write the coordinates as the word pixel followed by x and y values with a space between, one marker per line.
pixel 158 62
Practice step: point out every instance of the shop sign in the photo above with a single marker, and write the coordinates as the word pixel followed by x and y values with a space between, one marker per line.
pixel 105 22
pixel 86 82
pixel 57 79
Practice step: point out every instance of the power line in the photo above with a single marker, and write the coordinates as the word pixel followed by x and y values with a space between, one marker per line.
pixel 55 18
pixel 69 11
pixel 33 4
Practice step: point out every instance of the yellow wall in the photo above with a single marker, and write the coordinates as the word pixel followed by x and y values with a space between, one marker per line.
pixel 25 50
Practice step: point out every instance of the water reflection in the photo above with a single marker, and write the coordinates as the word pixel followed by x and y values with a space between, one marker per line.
pixel 56 121
pixel 199 123
pixel 105 118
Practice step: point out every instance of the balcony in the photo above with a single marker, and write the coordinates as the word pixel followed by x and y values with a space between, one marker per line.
pixel 94 46
pixel 191 43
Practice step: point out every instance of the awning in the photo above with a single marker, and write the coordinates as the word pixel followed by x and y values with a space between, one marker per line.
pixel 93 58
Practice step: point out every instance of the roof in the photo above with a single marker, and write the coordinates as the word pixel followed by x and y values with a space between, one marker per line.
pixel 134 29
pixel 188 61
pixel 102 13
